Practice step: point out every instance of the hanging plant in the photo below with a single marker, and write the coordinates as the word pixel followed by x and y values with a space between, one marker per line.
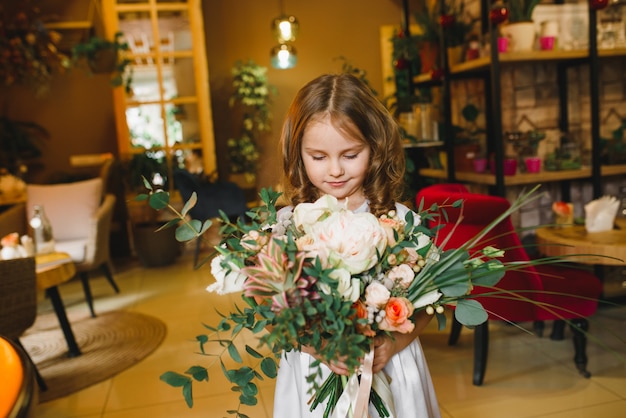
pixel 99 55
pixel 253 96
pixel 29 53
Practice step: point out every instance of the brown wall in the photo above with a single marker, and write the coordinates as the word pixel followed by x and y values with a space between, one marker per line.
pixel 78 109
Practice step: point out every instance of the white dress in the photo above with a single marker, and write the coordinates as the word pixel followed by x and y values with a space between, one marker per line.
pixel 411 384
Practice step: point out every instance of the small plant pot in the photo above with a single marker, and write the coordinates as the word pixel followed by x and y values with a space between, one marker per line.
pixel 155 249
pixel 533 164
pixel 480 165
pixel 510 166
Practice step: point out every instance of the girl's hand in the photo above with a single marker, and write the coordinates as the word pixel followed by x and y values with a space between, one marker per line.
pixel 386 346
pixel 335 366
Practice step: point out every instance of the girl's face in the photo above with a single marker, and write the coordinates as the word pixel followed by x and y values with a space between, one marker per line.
pixel 334 163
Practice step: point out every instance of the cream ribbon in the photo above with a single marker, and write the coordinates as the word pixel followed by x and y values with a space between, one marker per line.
pixel 354 400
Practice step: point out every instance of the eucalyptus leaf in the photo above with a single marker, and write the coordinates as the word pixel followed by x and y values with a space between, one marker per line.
pixel 470 312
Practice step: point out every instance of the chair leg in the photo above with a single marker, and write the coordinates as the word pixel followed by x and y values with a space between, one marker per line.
pixel 106 269
pixel 84 278
pixel 42 383
pixel 538 327
pixel 558 330
pixel 455 332
pixel 481 349
pixel 579 327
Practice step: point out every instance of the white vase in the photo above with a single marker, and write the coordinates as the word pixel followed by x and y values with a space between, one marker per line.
pixel 521 35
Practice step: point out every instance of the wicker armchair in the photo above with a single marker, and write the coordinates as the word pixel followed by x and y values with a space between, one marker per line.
pixel 18 301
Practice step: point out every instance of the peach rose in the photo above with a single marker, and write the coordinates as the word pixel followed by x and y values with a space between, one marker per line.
pixel 398 312
pixel 402 274
pixel 361 313
pixel 376 294
pixel 391 226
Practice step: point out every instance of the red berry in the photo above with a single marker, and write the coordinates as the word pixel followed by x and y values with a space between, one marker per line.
pixel 498 15
pixel 599 4
pixel 446 21
pixel 436 74
pixel 401 64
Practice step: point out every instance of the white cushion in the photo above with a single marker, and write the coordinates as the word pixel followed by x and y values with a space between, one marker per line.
pixel 77 249
pixel 69 207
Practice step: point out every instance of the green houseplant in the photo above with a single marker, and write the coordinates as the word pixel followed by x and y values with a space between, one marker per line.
pixel 252 97
pixel 520 28
pixel 427 19
pixel 20 141
pixel 105 56
pixel 521 10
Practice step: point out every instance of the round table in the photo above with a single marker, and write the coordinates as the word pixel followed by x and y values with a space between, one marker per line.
pixel 605 248
pixel 52 270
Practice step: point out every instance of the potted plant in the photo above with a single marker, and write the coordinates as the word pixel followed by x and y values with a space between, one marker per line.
pixel 105 56
pixel 20 141
pixel 252 97
pixel 427 19
pixel 457 26
pixel 520 28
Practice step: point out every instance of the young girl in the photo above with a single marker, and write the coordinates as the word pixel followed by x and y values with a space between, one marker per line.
pixel 338 139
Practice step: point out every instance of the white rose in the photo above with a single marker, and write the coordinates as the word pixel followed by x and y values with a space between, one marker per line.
pixel 226 280
pixel 376 294
pixel 422 241
pixel 402 274
pixel 307 214
pixel 347 287
pixel 353 240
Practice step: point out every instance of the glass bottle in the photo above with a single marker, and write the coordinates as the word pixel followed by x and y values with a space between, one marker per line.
pixel 42 231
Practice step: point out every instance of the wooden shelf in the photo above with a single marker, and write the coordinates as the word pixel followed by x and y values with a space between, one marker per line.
pixel 73 25
pixel 422 144
pixel 526 56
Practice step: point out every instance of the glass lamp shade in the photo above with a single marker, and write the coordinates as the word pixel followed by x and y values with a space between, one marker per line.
pixel 285 28
pixel 283 56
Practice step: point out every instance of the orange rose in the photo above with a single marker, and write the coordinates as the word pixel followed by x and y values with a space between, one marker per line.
pixel 361 313
pixel 398 312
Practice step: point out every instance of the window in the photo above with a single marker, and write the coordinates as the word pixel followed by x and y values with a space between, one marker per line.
pixel 167 112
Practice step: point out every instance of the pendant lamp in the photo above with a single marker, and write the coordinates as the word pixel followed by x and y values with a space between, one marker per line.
pixel 284 56
pixel 285 29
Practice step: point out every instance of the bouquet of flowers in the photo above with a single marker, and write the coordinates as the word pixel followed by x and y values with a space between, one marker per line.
pixel 325 277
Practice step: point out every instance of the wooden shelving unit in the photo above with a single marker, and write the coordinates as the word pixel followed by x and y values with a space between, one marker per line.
pixel 489 69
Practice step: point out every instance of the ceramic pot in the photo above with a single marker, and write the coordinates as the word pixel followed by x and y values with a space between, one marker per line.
pixel 521 35
pixel 429 54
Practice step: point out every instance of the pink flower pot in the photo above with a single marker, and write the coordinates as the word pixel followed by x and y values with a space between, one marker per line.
pixel 510 166
pixel 480 165
pixel 533 164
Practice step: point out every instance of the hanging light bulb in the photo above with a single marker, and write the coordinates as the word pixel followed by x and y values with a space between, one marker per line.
pixel 283 56
pixel 285 28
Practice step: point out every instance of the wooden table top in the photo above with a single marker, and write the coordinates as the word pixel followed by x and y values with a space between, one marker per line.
pixel 608 246
pixel 53 269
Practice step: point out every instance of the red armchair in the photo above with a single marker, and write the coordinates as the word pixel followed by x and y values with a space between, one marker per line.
pixel 561 293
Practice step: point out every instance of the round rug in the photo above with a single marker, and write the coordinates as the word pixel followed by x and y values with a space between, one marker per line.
pixel 109 343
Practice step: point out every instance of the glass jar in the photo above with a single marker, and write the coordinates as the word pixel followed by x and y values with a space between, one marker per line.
pixel 42 231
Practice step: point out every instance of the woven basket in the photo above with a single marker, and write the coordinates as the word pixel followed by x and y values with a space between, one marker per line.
pixel 18 296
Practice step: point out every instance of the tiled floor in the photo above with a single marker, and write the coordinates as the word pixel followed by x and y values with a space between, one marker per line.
pixel 526 376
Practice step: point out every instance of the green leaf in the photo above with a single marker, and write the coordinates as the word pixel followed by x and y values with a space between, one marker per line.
pixel 234 353
pixel 141 197
pixel 188 231
pixel 175 379
pixel 456 290
pixel 269 367
pixel 470 312
pixel 190 204
pixel 199 373
pixel 188 394
pixel 248 400
pixel 253 352
pixel 159 200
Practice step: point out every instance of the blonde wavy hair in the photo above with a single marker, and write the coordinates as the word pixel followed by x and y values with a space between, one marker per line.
pixel 357 113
